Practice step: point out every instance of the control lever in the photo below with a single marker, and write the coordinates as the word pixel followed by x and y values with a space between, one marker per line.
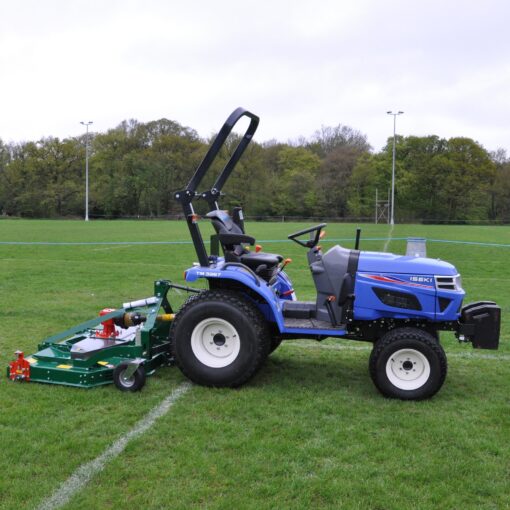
pixel 280 269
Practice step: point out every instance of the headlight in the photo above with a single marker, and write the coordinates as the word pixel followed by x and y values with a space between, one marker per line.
pixel 448 282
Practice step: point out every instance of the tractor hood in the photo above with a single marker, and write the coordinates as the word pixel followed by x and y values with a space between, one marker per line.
pixel 390 263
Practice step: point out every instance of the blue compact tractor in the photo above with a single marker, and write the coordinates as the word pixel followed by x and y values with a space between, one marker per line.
pixel 222 336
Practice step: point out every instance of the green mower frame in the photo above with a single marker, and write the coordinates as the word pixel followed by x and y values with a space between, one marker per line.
pixel 86 356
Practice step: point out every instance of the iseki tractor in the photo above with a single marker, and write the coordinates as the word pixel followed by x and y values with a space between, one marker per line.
pixel 221 336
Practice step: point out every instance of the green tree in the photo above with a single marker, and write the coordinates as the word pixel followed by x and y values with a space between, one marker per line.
pixel 339 148
pixel 4 161
pixel 500 188
pixel 444 180
pixel 328 139
pixel 44 179
pixel 136 167
pixel 333 186
pixel 372 172
pixel 423 165
pixel 296 193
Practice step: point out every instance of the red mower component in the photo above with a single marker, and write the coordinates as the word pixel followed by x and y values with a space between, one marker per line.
pixel 108 325
pixel 19 368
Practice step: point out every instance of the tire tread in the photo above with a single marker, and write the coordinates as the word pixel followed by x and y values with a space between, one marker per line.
pixel 412 334
pixel 253 315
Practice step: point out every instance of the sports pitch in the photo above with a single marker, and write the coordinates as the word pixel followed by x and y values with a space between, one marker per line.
pixel 309 431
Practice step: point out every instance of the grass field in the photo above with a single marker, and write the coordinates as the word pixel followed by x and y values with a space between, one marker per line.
pixel 310 431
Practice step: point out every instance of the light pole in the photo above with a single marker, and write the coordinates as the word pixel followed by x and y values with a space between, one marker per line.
pixel 392 217
pixel 87 124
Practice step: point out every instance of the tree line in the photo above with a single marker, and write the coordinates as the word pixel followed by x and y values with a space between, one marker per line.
pixel 135 168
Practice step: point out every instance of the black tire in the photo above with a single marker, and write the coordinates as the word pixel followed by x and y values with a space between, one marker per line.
pixel 408 363
pixel 134 383
pixel 189 299
pixel 219 339
pixel 435 334
pixel 275 343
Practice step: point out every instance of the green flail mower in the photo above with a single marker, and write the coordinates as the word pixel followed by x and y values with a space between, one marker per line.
pixel 121 345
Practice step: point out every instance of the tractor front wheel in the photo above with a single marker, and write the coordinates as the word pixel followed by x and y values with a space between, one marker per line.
pixel 219 339
pixel 408 363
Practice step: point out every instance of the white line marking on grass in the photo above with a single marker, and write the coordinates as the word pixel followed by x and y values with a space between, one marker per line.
pixel 87 471
pixel 387 243
pixel 330 347
pixel 117 247
pixel 479 355
pixel 462 355
pixel 143 243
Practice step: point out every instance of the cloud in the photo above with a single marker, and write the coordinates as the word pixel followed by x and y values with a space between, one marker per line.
pixel 298 64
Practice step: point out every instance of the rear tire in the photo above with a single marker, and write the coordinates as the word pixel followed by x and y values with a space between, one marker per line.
pixel 408 363
pixel 220 339
pixel 275 343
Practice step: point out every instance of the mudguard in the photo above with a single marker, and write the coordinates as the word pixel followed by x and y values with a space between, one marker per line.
pixel 272 310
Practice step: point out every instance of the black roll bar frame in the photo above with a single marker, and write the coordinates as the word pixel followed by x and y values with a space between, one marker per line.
pixel 187 195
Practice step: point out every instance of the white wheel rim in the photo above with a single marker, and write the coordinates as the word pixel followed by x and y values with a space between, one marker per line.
pixel 408 369
pixel 215 342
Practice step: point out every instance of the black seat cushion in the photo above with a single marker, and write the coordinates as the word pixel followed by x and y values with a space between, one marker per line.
pixel 253 260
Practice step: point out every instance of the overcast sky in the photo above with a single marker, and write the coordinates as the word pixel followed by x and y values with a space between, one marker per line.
pixel 297 64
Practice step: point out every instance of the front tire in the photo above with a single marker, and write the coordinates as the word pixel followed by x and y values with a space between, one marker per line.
pixel 219 339
pixel 408 363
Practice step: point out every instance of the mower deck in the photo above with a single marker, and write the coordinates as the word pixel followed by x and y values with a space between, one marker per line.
pixel 86 356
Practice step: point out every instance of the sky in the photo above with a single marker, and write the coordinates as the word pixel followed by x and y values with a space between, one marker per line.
pixel 297 64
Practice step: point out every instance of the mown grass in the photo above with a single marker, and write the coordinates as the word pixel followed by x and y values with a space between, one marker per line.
pixel 310 431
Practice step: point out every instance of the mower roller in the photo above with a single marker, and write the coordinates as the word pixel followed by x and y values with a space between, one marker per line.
pixel 222 336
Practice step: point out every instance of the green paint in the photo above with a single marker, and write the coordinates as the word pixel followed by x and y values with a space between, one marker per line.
pixel 54 362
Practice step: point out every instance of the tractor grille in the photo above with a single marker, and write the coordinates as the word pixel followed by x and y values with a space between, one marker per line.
pixel 397 299
pixel 448 282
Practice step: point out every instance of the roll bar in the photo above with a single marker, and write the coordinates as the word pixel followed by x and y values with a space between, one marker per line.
pixel 211 195
pixel 187 195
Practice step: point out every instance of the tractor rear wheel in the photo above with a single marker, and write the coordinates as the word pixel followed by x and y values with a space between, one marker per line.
pixel 275 343
pixel 408 363
pixel 220 339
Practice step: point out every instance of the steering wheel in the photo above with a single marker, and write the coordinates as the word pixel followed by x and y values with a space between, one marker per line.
pixel 314 239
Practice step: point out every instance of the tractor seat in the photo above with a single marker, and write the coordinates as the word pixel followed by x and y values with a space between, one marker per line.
pixel 254 260
pixel 263 264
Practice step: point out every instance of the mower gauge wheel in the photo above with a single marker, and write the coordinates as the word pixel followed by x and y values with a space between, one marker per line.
pixel 126 381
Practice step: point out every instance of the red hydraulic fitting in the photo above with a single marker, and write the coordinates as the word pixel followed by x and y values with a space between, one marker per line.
pixel 108 325
pixel 19 368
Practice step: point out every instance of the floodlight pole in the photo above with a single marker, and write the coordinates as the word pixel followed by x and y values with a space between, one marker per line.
pixel 87 124
pixel 392 217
